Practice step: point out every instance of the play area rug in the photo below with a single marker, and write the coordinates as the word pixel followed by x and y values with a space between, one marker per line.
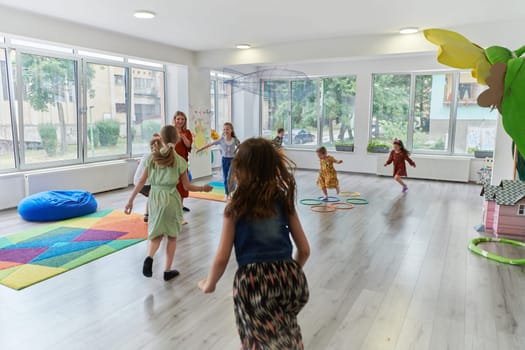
pixel 217 194
pixel 38 254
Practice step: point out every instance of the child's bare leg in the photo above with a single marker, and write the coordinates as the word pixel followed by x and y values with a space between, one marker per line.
pixel 170 253
pixel 337 189
pixel 399 180
pixel 325 192
pixel 154 245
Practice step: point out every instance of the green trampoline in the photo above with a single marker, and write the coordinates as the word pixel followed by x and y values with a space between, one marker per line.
pixel 473 246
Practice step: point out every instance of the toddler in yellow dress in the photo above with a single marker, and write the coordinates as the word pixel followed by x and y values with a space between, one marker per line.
pixel 327 175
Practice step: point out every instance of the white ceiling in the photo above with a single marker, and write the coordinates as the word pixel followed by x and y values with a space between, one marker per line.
pixel 220 24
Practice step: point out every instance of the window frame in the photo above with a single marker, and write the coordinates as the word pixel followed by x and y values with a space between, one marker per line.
pixel 320 107
pixel 453 114
pixel 18 98
pixel 12 108
pixel 217 78
pixel 11 48
pixel 521 209
pixel 84 110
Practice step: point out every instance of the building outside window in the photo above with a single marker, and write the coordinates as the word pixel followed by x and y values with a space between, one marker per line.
pixel 47 118
pixel 148 107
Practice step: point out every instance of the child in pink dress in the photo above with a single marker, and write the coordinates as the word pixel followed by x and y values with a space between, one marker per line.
pixel 398 156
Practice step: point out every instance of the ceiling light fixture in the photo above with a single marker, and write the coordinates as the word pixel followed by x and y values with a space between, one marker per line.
pixel 408 30
pixel 143 14
pixel 243 46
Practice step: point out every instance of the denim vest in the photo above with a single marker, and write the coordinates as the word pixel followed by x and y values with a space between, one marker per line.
pixel 263 240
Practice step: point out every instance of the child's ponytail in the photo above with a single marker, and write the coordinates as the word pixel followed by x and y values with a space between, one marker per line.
pixel 163 151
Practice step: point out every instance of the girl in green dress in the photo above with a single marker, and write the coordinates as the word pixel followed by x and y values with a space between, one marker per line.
pixel 164 169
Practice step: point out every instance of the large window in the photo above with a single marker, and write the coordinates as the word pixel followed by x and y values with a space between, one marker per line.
pixel 390 107
pixel 313 112
pixel 63 106
pixel 147 93
pixel 7 159
pixel 275 107
pixel 337 124
pixel 304 112
pixel 222 99
pixel 431 122
pixel 47 106
pixel 440 108
pixel 106 111
pixel 475 126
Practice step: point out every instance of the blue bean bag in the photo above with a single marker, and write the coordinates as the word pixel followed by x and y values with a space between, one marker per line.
pixel 57 205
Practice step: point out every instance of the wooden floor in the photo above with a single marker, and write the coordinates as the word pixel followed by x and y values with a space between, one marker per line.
pixel 395 274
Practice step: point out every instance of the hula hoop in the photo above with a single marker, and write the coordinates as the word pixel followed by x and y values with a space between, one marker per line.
pixel 322 208
pixel 342 206
pixel 310 201
pixel 473 246
pixel 349 194
pixel 329 199
pixel 357 201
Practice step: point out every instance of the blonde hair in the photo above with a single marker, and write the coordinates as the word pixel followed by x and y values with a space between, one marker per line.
pixel 181 113
pixel 163 148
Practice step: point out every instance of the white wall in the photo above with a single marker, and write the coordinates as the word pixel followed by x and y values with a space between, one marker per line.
pixel 245 114
pixel 177 90
pixel 199 92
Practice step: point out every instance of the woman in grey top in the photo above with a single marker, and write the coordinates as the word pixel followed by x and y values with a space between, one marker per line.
pixel 228 144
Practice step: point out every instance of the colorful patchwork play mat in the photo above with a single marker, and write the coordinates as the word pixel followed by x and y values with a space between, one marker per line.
pixel 38 254
pixel 217 194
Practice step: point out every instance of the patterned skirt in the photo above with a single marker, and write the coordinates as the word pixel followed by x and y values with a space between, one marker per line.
pixel 267 298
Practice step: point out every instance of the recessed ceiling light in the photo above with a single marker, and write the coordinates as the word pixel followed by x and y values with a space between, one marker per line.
pixel 243 46
pixel 143 14
pixel 408 30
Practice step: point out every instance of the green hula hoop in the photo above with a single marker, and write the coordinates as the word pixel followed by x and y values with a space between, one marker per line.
pixel 310 201
pixel 357 201
pixel 473 246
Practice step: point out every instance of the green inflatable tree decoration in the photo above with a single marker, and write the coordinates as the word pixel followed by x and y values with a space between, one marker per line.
pixel 501 69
